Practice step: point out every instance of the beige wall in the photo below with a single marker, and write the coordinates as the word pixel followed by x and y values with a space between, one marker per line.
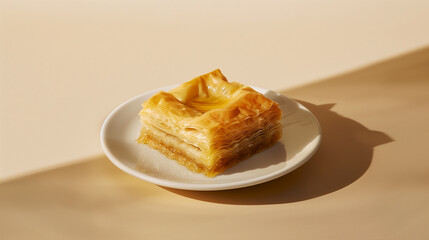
pixel 64 65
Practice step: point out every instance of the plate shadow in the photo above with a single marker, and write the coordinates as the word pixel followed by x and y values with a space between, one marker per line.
pixel 344 155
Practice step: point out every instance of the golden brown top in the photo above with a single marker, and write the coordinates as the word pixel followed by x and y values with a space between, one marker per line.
pixel 207 103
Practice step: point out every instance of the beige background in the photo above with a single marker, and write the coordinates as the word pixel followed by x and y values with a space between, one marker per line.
pixel 64 65
pixel 361 67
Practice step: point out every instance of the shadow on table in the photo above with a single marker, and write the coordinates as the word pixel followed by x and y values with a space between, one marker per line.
pixel 344 155
pixel 347 146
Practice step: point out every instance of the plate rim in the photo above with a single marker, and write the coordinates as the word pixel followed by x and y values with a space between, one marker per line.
pixel 202 186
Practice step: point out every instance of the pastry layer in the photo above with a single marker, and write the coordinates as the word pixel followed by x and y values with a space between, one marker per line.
pixel 208 123
pixel 190 156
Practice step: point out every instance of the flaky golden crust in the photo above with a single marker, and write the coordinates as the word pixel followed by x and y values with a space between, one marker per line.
pixel 228 159
pixel 210 116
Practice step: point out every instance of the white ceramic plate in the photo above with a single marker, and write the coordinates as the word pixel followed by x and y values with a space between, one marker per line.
pixel 301 138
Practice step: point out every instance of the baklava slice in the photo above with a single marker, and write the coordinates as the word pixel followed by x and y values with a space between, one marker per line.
pixel 209 124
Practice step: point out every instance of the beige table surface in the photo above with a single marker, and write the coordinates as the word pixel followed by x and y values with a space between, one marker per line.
pixel 368 180
pixel 64 65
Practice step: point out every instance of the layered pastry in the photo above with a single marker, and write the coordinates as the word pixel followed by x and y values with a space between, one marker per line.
pixel 209 124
